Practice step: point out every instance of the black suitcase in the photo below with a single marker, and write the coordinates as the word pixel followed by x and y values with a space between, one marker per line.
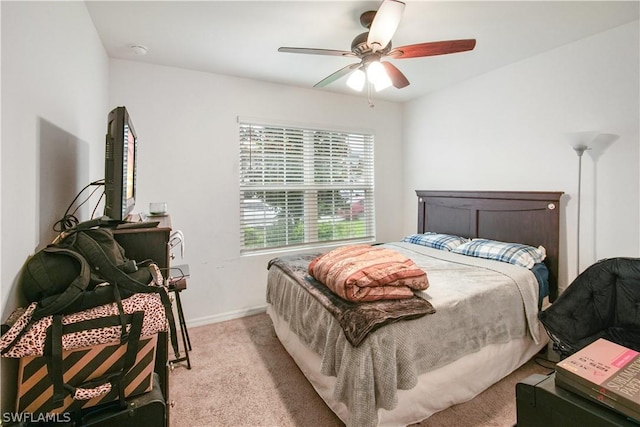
pixel 148 409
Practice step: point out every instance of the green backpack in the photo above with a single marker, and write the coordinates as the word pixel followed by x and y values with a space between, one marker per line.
pixel 86 269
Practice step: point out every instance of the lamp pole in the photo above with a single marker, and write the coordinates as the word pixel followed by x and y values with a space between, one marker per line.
pixel 580 149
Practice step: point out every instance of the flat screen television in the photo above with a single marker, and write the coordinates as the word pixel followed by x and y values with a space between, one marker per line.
pixel 120 165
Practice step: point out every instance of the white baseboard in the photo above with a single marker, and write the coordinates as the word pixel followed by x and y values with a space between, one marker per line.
pixel 230 315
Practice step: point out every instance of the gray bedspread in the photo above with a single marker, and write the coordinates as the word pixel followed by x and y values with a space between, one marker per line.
pixel 478 302
pixel 358 319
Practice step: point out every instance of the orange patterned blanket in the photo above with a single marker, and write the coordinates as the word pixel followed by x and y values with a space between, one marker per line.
pixel 368 273
pixel 357 319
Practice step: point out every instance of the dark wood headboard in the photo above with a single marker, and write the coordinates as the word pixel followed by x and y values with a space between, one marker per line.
pixel 531 218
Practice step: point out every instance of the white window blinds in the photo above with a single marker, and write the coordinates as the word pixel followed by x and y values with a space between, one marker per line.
pixel 301 186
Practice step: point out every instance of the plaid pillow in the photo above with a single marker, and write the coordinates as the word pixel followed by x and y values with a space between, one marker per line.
pixel 514 253
pixel 445 242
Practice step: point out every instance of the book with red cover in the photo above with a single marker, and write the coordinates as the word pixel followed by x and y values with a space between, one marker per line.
pixel 605 372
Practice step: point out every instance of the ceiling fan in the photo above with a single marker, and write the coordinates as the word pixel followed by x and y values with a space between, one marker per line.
pixel 371 46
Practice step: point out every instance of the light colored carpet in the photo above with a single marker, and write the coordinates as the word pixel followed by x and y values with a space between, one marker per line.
pixel 242 376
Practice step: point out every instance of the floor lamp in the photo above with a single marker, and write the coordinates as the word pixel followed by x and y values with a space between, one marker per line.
pixel 580 149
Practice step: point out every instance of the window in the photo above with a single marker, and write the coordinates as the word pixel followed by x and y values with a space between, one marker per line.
pixel 304 187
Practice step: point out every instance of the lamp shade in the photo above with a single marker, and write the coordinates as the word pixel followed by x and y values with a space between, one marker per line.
pixel 581 141
pixel 356 80
pixel 377 75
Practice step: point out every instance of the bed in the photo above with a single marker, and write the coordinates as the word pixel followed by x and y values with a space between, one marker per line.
pixel 484 324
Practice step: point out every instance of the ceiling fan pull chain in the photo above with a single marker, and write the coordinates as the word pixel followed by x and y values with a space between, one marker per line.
pixel 370 95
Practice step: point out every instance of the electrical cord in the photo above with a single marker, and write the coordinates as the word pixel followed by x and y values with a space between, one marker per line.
pixel 181 273
pixel 545 363
pixel 69 220
pixel 93 213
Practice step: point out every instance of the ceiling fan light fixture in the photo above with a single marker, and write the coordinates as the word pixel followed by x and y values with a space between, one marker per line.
pixel 377 75
pixel 385 23
pixel 356 80
pixel 373 46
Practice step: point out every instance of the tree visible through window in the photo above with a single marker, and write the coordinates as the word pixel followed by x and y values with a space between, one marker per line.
pixel 301 186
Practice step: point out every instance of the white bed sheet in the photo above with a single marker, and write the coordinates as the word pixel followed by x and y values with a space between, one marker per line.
pixel 436 390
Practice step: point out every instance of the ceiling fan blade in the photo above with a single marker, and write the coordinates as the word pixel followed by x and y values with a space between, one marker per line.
pixel 397 78
pixel 385 23
pixel 432 48
pixel 312 51
pixel 335 76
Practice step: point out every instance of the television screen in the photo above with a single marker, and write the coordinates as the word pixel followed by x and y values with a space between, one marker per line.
pixel 120 165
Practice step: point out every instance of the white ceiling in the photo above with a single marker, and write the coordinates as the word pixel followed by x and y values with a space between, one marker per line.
pixel 241 38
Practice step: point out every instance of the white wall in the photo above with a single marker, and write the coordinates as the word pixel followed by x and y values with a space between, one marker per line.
pixel 506 130
pixel 54 101
pixel 54 106
pixel 189 155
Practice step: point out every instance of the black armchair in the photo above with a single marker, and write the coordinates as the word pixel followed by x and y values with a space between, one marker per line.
pixel 602 302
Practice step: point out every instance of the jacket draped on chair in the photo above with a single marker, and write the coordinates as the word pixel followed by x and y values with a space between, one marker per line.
pixel 602 302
